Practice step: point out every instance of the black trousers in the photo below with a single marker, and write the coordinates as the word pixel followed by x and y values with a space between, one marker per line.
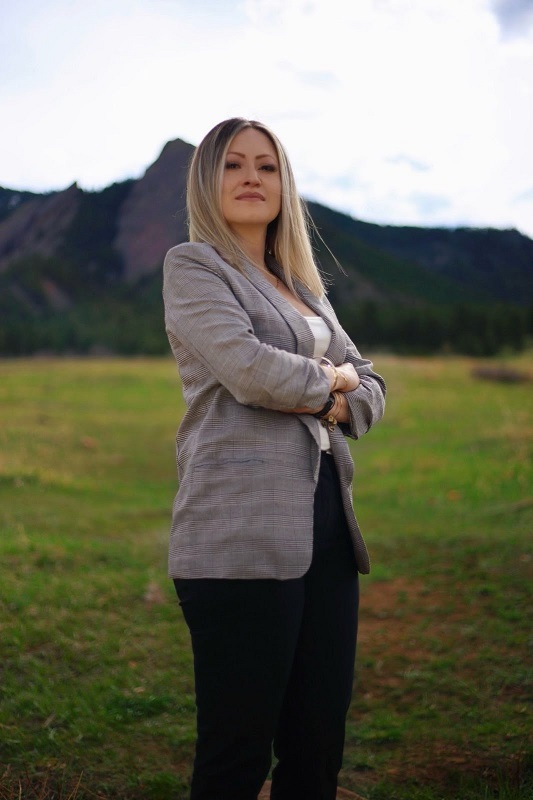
pixel 274 665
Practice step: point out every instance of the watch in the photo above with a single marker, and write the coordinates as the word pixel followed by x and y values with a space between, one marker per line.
pixel 330 402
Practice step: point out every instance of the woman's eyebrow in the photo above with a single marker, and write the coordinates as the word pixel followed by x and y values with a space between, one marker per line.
pixel 243 155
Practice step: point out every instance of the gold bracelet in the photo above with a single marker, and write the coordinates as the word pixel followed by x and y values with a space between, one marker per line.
pixel 336 372
pixel 329 422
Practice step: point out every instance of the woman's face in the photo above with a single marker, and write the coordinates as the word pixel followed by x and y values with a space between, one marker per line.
pixel 251 183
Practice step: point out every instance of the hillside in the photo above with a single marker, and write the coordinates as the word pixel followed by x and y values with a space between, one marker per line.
pixel 80 270
pixel 492 264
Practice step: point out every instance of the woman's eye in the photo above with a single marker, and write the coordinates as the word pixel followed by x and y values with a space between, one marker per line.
pixel 269 167
pixel 231 165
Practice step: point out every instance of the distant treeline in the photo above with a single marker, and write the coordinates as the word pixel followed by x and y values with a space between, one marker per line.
pixel 477 330
pixel 93 310
pixel 134 326
pixel 124 320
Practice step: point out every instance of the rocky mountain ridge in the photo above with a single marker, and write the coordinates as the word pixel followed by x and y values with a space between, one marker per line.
pixel 78 267
pixel 486 264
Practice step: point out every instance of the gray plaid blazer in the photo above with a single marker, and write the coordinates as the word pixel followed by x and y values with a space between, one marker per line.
pixel 248 471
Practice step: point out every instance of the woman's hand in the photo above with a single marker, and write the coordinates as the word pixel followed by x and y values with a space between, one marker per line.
pixel 340 409
pixel 343 378
pixel 348 372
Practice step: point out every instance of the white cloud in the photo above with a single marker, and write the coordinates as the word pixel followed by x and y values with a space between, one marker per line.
pixel 402 111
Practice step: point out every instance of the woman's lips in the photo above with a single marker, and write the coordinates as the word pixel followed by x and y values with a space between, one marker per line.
pixel 250 196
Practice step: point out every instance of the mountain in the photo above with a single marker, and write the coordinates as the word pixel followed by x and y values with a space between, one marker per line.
pixel 493 264
pixel 81 270
pixel 152 217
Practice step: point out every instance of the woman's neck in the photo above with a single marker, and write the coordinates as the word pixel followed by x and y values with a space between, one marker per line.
pixel 253 245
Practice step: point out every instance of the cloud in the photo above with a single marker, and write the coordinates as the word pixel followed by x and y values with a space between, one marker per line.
pixel 399 111
pixel 345 182
pixel 515 17
pixel 429 205
pixel 318 79
pixel 524 197
pixel 413 163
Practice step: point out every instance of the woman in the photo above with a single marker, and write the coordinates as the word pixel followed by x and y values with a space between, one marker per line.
pixel 265 549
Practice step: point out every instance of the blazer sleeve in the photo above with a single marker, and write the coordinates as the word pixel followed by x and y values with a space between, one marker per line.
pixel 366 403
pixel 204 317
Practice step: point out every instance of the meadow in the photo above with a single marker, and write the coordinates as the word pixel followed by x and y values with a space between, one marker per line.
pixel 96 685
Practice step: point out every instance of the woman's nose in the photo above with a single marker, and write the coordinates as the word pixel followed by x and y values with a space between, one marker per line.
pixel 252 176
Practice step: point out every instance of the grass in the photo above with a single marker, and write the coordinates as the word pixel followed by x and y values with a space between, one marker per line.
pixel 96 686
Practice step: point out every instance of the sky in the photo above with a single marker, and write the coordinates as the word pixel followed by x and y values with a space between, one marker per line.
pixel 404 112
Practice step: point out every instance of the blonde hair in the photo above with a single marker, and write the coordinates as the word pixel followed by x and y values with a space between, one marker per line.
pixel 288 236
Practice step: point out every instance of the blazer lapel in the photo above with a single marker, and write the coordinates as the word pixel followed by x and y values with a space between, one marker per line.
pixel 303 336
pixel 336 351
pixel 305 341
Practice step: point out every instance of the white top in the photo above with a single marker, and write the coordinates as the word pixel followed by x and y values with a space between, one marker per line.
pixel 322 335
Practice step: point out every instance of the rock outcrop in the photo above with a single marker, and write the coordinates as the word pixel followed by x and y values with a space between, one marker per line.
pixel 37 227
pixel 152 218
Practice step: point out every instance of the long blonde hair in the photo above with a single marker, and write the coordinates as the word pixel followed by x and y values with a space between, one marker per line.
pixel 288 236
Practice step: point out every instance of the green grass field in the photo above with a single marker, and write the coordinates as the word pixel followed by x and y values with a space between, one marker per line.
pixel 96 687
